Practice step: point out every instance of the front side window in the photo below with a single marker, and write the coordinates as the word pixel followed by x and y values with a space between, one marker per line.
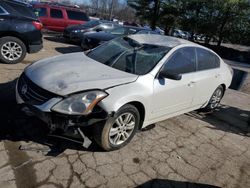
pixel 55 13
pixel 41 12
pixel 182 61
pixel 76 15
pixel 206 60
pixel 127 55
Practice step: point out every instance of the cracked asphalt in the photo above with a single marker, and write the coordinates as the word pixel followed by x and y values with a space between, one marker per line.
pixel 191 150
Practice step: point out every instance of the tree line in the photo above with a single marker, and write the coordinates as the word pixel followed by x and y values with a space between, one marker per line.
pixel 218 20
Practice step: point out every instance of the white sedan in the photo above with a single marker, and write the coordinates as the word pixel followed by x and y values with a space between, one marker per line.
pixel 123 86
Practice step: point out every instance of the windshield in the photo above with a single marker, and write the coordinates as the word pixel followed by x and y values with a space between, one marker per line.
pixel 127 55
pixel 92 23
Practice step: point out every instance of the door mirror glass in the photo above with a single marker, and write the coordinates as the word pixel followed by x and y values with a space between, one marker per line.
pixel 170 75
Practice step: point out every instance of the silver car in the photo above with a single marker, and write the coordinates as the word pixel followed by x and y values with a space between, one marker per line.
pixel 123 86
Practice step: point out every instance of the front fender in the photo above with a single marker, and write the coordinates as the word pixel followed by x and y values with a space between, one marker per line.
pixel 134 92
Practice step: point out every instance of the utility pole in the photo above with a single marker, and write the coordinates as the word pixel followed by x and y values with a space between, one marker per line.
pixel 111 10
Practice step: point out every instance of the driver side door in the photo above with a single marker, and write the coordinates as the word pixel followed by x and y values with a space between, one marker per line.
pixel 173 97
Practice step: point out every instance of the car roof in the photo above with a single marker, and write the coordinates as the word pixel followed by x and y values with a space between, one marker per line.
pixel 161 40
pixel 57 5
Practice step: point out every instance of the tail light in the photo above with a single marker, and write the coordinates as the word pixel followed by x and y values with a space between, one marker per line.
pixel 37 25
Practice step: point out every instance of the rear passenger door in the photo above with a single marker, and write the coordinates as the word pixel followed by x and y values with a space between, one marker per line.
pixel 207 76
pixel 56 21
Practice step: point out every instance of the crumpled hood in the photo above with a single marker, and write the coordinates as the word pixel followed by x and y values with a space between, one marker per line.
pixel 66 74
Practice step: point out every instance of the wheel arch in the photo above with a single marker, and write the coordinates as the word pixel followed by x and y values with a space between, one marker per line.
pixel 140 107
pixel 224 88
pixel 16 35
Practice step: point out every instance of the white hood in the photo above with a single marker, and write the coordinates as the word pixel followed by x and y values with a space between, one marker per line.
pixel 66 74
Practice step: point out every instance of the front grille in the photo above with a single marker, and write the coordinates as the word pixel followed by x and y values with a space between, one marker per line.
pixel 31 93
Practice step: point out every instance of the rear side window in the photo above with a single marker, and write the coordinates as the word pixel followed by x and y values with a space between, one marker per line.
pixel 20 9
pixel 182 61
pixel 41 12
pixel 207 60
pixel 55 13
pixel 75 15
pixel 1 10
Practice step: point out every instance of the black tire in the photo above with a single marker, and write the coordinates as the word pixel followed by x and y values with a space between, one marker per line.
pixel 23 51
pixel 101 132
pixel 211 105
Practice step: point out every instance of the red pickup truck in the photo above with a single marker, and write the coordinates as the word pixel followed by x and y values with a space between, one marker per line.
pixel 57 17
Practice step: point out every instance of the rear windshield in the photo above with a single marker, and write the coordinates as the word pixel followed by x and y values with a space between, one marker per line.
pixel 75 15
pixel 91 23
pixel 127 55
pixel 20 9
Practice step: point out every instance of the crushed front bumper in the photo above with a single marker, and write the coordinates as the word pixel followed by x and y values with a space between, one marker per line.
pixel 61 121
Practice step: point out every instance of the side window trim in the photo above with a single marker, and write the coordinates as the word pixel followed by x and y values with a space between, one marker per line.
pixel 5 12
pixel 196 60
pixel 174 54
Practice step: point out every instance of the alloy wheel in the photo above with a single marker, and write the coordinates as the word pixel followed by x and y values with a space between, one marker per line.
pixel 122 129
pixel 216 98
pixel 11 51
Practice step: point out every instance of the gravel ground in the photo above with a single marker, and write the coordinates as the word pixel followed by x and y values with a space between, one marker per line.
pixel 192 150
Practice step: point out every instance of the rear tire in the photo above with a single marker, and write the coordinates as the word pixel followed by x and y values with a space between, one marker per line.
pixel 215 99
pixel 12 50
pixel 118 130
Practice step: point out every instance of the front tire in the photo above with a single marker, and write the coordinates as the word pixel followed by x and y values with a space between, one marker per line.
pixel 12 50
pixel 215 99
pixel 118 130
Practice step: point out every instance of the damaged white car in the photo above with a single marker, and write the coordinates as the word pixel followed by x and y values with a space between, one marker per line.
pixel 123 86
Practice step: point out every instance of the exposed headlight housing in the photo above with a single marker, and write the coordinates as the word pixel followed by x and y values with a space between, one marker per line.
pixel 80 104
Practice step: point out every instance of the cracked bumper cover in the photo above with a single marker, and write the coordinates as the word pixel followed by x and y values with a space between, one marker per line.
pixel 59 120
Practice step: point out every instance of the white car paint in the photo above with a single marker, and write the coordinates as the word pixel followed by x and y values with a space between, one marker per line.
pixel 71 73
pixel 76 72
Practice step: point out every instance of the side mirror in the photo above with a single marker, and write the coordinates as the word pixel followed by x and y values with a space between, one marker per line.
pixel 170 75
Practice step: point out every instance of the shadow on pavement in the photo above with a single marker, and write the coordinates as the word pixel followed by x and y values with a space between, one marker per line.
pixel 57 38
pixel 227 119
pixel 16 126
pixel 161 183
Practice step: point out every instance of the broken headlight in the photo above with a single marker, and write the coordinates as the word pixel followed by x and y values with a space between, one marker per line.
pixel 80 104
